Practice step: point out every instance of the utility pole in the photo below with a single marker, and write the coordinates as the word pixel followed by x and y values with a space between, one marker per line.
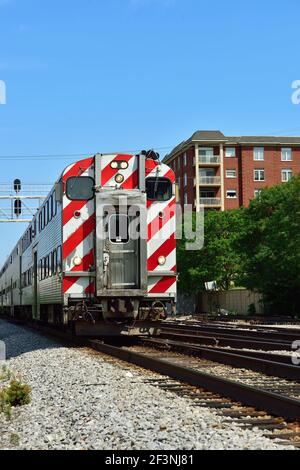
pixel 19 203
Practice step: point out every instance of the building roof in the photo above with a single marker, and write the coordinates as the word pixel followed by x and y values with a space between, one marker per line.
pixel 265 140
pixel 211 137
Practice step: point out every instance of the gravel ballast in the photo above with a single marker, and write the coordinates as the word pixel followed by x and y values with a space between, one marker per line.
pixel 85 400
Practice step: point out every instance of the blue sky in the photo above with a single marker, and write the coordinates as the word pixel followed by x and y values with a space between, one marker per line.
pixel 108 75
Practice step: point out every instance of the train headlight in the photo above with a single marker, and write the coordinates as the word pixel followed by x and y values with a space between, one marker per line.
pixel 161 260
pixel 114 165
pixel 124 165
pixel 77 261
pixel 119 178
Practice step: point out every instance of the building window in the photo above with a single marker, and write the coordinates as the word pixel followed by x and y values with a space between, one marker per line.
pixel 206 172
pixel 286 175
pixel 178 162
pixel 231 194
pixel 230 152
pixel 184 158
pixel 257 192
pixel 174 165
pixel 230 173
pixel 207 194
pixel 206 151
pixel 258 153
pixel 185 198
pixel 185 179
pixel 259 175
pixel 286 154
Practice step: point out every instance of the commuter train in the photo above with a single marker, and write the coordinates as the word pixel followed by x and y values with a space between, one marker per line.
pixel 99 255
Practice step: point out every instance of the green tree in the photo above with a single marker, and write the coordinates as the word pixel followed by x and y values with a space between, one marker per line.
pixel 219 259
pixel 269 246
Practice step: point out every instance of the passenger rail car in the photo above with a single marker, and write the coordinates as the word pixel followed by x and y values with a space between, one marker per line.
pixel 100 253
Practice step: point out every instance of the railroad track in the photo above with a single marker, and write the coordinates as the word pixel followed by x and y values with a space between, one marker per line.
pixel 269 364
pixel 232 337
pixel 244 329
pixel 250 320
pixel 248 398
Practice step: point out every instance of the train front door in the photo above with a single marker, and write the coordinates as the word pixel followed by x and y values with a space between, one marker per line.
pixel 122 252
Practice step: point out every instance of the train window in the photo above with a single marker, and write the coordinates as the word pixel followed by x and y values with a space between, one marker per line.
pixel 44 217
pixel 41 270
pixel 50 207
pixel 47 213
pixel 80 188
pixel 119 228
pixel 54 204
pixel 45 268
pixel 59 259
pixel 34 229
pixel 54 262
pixel 50 264
pixel 158 189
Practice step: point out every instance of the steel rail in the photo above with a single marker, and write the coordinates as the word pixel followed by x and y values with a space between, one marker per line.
pixel 233 331
pixel 279 405
pixel 223 340
pixel 241 359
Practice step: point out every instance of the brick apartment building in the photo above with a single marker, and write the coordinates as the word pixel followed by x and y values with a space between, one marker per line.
pixel 227 172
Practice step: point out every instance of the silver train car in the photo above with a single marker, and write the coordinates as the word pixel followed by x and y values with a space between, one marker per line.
pixel 100 253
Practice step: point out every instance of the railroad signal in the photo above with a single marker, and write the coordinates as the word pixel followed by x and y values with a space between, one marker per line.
pixel 18 207
pixel 17 185
pixel 19 202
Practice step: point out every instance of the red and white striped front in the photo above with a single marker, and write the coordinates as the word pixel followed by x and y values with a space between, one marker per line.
pixel 78 221
pixel 79 226
pixel 161 222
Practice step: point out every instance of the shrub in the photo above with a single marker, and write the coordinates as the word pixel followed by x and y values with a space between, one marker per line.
pixel 14 394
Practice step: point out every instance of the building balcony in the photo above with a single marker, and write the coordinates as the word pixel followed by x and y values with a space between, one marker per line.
pixel 210 160
pixel 210 180
pixel 211 201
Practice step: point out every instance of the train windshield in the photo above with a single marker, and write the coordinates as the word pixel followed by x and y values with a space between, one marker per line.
pixel 158 189
pixel 80 188
pixel 119 228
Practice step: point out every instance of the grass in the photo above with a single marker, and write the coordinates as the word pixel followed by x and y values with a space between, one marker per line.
pixel 13 393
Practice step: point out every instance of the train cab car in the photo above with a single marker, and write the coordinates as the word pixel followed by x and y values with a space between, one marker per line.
pixel 100 254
